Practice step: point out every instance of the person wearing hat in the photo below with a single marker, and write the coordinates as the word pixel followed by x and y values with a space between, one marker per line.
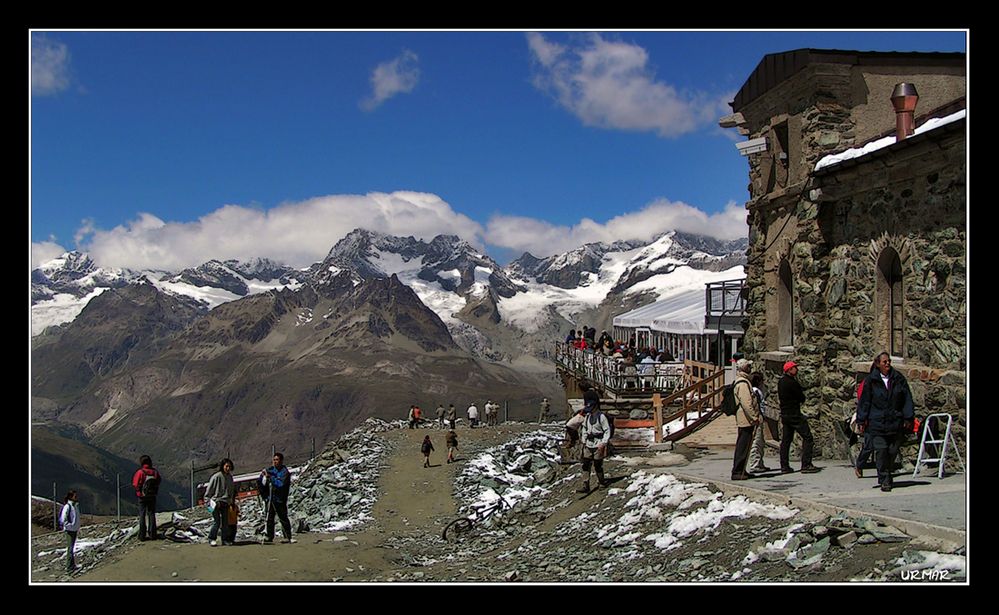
pixel 791 396
pixel 595 432
pixel 747 416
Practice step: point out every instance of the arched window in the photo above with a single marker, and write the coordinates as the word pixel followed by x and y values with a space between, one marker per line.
pixel 785 305
pixel 890 301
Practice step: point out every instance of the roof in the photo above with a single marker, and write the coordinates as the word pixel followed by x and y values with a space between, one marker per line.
pixel 681 313
pixel 775 68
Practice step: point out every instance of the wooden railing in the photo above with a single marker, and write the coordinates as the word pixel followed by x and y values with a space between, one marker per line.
pixel 614 375
pixel 701 398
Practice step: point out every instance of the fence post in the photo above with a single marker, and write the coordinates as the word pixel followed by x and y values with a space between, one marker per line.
pixel 657 412
pixel 506 411
pixel 117 480
pixel 55 508
pixel 193 503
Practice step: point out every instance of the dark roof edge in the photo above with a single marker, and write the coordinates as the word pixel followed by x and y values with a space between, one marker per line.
pixel 775 68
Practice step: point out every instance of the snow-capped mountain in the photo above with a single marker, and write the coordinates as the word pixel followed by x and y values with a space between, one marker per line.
pixel 61 287
pixel 464 287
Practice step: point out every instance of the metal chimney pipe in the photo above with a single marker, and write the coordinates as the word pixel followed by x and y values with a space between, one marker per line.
pixel 904 98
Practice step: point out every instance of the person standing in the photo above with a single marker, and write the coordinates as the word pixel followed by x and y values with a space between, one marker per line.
pixel 756 465
pixel 452 415
pixel 886 412
pixel 426 448
pixel 595 433
pixel 69 519
pixel 222 490
pixel 473 415
pixel 545 409
pixel 451 440
pixel 747 418
pixel 791 396
pixel 440 415
pixel 146 482
pixel 412 417
pixel 277 482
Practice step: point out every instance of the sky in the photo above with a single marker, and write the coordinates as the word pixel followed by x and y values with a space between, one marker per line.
pixel 164 149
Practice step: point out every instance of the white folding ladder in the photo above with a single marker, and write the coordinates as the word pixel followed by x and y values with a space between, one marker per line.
pixel 930 438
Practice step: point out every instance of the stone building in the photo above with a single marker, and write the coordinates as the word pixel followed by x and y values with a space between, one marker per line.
pixel 862 252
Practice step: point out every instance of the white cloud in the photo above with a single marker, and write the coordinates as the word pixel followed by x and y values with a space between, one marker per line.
pixel 611 85
pixel 49 66
pixel 393 77
pixel 45 251
pixel 543 238
pixel 298 234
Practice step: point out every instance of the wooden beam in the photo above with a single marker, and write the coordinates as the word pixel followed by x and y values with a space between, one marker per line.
pixel 657 412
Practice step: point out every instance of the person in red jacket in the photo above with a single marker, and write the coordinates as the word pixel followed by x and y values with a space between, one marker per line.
pixel 147 483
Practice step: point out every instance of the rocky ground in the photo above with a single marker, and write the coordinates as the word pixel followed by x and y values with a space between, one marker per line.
pixel 365 510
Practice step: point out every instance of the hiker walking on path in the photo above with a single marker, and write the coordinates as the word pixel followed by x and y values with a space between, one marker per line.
pixel 747 417
pixel 791 396
pixel 275 484
pixel 452 415
pixel 451 440
pixel 473 416
pixel 886 412
pixel 596 434
pixel 146 482
pixel 222 490
pixel 440 415
pixel 69 519
pixel 426 449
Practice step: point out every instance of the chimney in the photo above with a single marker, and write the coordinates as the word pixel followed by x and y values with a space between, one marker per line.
pixel 904 98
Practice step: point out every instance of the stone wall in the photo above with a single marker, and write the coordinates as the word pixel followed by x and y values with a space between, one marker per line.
pixel 911 198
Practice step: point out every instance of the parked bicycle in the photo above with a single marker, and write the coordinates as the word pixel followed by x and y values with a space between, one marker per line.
pixel 460 527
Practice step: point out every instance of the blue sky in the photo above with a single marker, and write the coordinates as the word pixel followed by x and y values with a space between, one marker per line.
pixel 169 148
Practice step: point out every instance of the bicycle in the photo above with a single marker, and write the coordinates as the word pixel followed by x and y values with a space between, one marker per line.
pixel 461 526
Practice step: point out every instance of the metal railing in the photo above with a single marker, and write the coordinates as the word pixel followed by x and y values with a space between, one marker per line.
pixel 639 379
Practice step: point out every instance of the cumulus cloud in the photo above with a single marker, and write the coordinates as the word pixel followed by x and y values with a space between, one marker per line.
pixel 542 238
pixel 44 251
pixel 49 66
pixel 610 84
pixel 398 76
pixel 297 234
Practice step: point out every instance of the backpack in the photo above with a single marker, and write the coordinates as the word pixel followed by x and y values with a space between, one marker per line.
pixel 150 485
pixel 728 403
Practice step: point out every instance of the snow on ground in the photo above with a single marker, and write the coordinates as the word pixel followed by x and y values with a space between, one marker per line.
pixel 857 152
pixel 507 471
pixel 664 500
pixel 62 308
pixel 214 297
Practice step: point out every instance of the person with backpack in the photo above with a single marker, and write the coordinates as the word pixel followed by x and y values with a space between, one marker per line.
pixel 452 415
pixel 275 484
pixel 426 448
pixel 887 413
pixel 791 396
pixel 866 449
pixel 756 452
pixel 69 519
pixel 440 415
pixel 146 482
pixel 595 433
pixel 747 417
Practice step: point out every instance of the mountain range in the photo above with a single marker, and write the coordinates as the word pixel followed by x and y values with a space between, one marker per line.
pixel 236 357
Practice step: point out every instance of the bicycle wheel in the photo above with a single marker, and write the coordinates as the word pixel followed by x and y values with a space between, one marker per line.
pixel 456 529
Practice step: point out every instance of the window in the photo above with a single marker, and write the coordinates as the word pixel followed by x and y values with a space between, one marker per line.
pixel 890 301
pixel 785 305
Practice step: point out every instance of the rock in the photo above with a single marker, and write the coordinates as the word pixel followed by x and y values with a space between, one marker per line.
pixel 867 539
pixel 511 576
pixel 847 539
pixel 173 574
pixel 820 531
pixel 889 534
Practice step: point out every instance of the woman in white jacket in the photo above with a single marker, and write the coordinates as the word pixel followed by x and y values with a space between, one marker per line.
pixel 69 519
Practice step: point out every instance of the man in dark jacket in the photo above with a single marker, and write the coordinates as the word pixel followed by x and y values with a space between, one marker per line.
pixel 277 482
pixel 886 413
pixel 791 396
pixel 146 482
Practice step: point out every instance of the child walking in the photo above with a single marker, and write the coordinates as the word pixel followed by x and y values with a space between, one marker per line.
pixel 427 448
pixel 451 440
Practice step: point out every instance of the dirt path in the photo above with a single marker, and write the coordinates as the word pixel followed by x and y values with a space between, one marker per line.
pixel 413 504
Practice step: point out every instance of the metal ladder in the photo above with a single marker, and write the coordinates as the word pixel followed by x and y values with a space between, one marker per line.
pixel 930 438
